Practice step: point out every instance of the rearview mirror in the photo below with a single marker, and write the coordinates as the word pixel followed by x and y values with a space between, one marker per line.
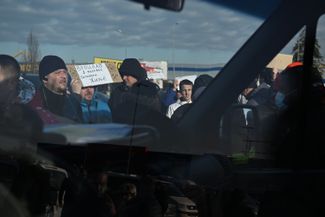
pixel 173 5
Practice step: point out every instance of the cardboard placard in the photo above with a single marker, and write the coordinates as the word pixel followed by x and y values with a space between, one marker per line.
pixel 280 61
pixel 113 65
pixel 115 75
pixel 93 74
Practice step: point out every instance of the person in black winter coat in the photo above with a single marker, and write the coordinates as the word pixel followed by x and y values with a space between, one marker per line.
pixel 136 101
pixel 136 96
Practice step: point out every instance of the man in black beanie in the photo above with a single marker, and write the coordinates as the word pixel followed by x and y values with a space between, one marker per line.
pixel 53 94
pixel 53 74
pixel 132 72
pixel 135 95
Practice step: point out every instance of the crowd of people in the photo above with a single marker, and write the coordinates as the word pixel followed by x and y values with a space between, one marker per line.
pixel 290 109
pixel 59 99
pixel 25 109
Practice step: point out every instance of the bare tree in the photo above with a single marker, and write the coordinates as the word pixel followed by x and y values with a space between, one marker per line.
pixel 33 53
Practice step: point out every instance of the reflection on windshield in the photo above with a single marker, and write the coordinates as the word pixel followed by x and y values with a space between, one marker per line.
pixel 112 65
pixel 80 76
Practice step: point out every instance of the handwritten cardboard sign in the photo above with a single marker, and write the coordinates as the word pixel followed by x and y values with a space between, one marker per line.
pixel 113 65
pixel 93 74
pixel 116 77
pixel 116 62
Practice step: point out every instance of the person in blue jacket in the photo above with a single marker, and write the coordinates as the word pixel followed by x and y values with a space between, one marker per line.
pixel 171 94
pixel 94 110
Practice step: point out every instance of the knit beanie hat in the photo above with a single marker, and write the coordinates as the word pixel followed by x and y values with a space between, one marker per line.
pixel 202 81
pixel 50 64
pixel 131 66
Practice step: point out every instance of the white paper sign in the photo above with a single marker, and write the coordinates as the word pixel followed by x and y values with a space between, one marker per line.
pixel 93 74
pixel 155 70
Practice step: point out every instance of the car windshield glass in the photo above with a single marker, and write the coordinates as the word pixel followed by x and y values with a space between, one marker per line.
pixel 170 47
pixel 182 100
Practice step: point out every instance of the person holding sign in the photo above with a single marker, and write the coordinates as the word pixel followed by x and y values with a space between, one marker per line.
pixel 53 94
pixel 136 96
pixel 93 109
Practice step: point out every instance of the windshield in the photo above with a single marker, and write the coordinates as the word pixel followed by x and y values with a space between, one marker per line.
pixel 170 46
pixel 79 31
pixel 93 87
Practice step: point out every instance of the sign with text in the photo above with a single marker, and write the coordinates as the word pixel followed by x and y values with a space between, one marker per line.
pixel 93 74
pixel 113 65
pixel 116 62
pixel 155 69
pixel 72 71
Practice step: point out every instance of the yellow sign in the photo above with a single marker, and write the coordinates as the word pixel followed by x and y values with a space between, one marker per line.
pixel 154 69
pixel 117 63
pixel 27 67
pixel 112 65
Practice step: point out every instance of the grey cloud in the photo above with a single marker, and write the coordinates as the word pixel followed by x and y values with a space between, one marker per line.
pixel 97 22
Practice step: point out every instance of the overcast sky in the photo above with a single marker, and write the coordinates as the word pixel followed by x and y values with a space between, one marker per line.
pixel 83 29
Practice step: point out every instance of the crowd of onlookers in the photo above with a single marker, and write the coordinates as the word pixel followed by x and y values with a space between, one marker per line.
pixel 26 108
pixel 58 99
pixel 290 99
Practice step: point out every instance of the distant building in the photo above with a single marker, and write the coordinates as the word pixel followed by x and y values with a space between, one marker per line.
pixel 177 70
